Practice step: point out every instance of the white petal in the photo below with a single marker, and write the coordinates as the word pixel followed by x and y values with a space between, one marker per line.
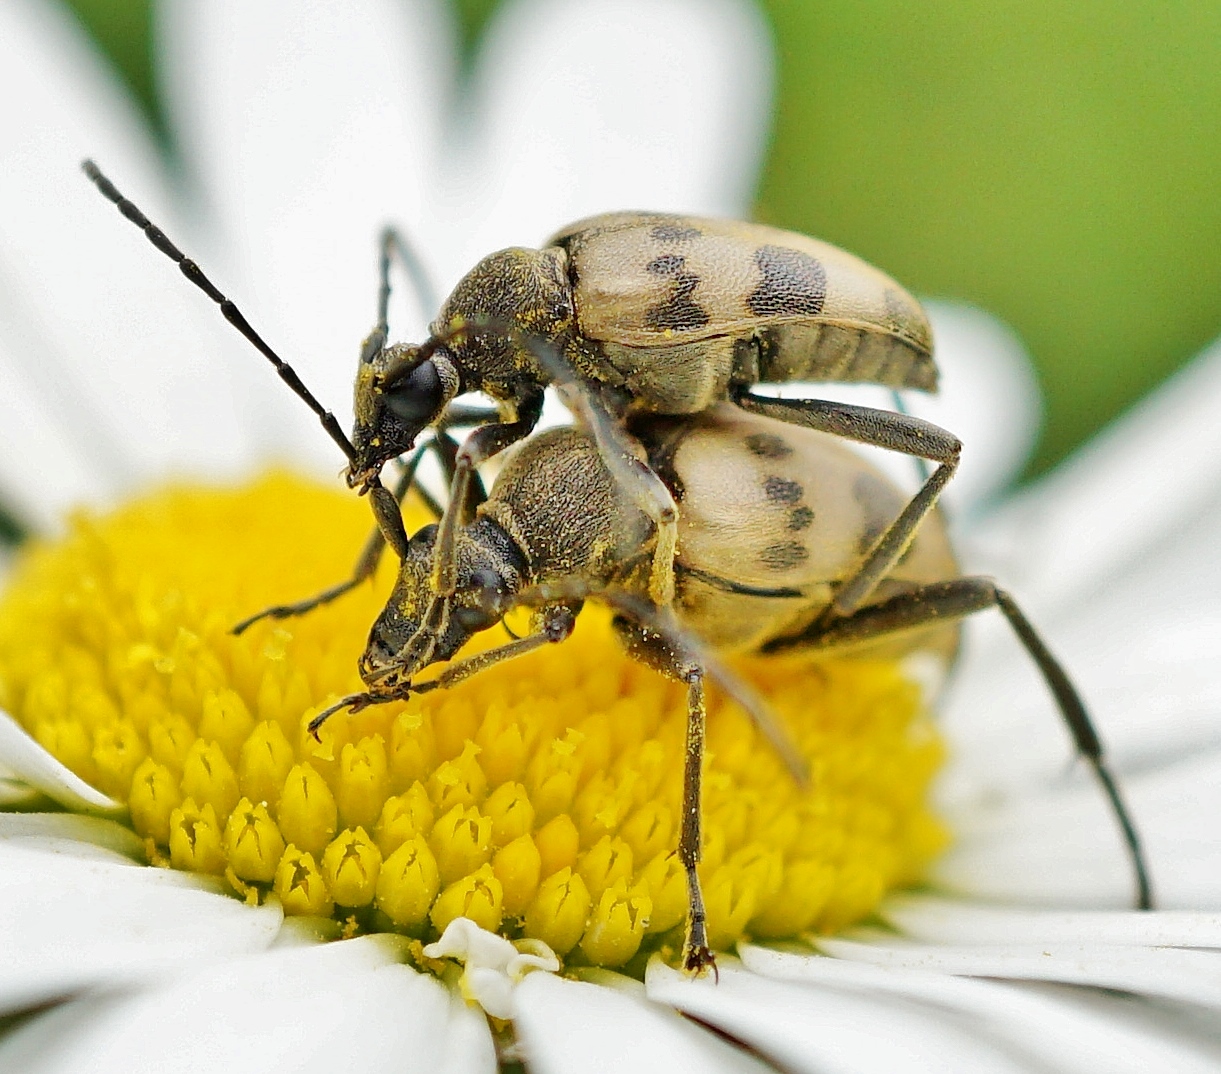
pixel 1059 1030
pixel 492 966
pixel 1064 848
pixel 955 921
pixel 70 833
pixel 1144 477
pixel 16 795
pixel 571 1027
pixel 1145 665
pixel 34 442
pixel 804 1027
pixel 612 104
pixel 27 760
pixel 310 126
pixel 467 1044
pixel 93 321
pixel 989 399
pixel 343 1006
pixel 1187 976
pixel 68 923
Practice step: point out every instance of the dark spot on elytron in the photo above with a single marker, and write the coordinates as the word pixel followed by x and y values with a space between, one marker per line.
pixel 675 232
pixel 793 284
pixel 768 446
pixel 666 265
pixel 800 518
pixel 781 490
pixel 679 312
pixel 784 556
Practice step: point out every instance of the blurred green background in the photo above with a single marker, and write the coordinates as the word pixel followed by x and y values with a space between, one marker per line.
pixel 1057 162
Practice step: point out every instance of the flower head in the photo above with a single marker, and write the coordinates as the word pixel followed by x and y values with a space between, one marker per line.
pixel 167 969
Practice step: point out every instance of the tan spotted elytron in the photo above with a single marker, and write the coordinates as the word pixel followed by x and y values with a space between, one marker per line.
pixel 775 521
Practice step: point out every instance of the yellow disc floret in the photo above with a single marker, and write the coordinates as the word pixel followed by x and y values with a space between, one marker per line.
pixel 540 798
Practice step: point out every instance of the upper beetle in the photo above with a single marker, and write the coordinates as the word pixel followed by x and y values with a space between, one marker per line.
pixel 666 314
pixel 625 313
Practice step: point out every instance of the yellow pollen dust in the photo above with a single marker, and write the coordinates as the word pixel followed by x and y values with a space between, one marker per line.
pixel 540 798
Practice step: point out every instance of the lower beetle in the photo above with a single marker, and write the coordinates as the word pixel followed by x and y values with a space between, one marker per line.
pixel 776 523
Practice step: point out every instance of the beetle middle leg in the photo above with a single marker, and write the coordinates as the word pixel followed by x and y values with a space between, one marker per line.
pixel 660 653
pixel 955 599
pixel 878 428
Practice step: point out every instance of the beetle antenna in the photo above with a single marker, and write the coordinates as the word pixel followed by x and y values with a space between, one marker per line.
pixel 230 312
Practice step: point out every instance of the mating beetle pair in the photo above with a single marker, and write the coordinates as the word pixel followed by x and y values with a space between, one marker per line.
pixel 706 524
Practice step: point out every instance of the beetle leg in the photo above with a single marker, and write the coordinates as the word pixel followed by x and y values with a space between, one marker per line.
pixel 481 445
pixel 666 655
pixel 879 428
pixel 389 530
pixel 651 496
pixel 459 414
pixel 557 623
pixel 390 243
pixel 900 406
pixel 624 457
pixel 394 242
pixel 465 492
pixel 447 453
pixel 942 601
pixel 661 624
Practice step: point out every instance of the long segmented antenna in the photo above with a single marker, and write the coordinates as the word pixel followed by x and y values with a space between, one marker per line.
pixel 230 312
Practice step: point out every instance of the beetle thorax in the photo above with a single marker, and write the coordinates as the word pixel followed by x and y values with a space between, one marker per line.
pixel 514 291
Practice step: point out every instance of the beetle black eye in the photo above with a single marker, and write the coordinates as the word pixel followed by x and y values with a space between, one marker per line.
pixel 473 620
pixel 491 590
pixel 417 399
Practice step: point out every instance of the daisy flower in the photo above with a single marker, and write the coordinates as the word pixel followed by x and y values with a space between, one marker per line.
pixel 433 826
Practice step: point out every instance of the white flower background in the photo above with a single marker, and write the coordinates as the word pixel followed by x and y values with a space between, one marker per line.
pixel 301 131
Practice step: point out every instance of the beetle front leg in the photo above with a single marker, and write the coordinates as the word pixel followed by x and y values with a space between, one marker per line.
pixel 556 625
pixel 481 445
pixel 389 530
pixel 878 428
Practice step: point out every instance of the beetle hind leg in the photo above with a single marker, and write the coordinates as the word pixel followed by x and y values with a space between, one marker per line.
pixel 947 601
pixel 878 428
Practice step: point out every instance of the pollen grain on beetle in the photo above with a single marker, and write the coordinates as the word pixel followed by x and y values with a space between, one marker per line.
pixel 539 799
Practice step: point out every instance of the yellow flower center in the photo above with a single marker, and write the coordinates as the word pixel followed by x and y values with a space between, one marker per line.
pixel 539 799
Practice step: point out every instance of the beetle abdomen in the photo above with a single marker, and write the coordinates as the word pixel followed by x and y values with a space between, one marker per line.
pixel 772 518
pixel 810 310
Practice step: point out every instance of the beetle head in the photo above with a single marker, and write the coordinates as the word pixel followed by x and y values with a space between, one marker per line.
pixel 412 633
pixel 400 391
